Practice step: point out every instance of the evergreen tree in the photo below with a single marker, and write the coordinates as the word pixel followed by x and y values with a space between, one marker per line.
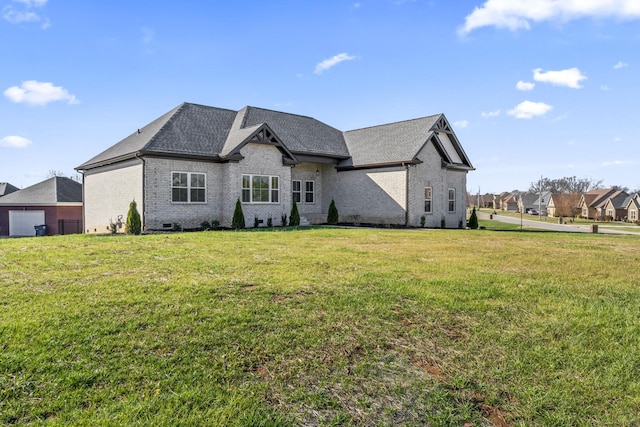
pixel 238 217
pixel 332 217
pixel 133 224
pixel 294 217
pixel 473 220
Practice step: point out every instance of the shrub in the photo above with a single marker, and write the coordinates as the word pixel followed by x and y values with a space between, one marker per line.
pixel 113 227
pixel 205 225
pixel 238 217
pixel 215 224
pixel 423 220
pixel 443 222
pixel 256 222
pixel 473 220
pixel 332 217
pixel 176 227
pixel 294 217
pixel 283 220
pixel 269 222
pixel 133 224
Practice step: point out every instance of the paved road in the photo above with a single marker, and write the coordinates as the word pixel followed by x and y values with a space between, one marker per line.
pixel 567 228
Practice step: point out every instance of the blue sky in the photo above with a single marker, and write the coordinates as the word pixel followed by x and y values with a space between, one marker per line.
pixel 532 87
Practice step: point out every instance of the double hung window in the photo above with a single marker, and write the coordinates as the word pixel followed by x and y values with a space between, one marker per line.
pixel 452 200
pixel 188 187
pixel 309 192
pixel 427 199
pixel 296 190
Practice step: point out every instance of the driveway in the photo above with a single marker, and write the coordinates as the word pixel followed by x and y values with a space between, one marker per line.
pixel 567 228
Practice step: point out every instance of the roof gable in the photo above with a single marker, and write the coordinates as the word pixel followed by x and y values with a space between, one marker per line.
pixel 401 142
pixel 258 134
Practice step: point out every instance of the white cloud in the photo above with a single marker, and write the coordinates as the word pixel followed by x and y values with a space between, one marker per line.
pixel 525 86
pixel 18 17
pixel 14 141
pixel 529 109
pixel 15 16
pixel 570 77
pixel 332 62
pixel 491 114
pixel 461 124
pixel 32 3
pixel 619 65
pixel 357 5
pixel 519 14
pixel 618 163
pixel 604 88
pixel 33 92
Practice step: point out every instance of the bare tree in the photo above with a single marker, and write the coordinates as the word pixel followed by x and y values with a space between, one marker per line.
pixel 569 184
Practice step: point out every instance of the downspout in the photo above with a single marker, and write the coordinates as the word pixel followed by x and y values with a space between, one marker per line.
pixel 84 215
pixel 406 197
pixel 144 192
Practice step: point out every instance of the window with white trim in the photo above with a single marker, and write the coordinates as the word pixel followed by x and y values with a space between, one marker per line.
pixel 632 215
pixel 296 189
pixel 260 189
pixel 427 199
pixel 309 192
pixel 452 200
pixel 188 187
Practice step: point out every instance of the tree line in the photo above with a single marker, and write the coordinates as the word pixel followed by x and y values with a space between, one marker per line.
pixel 569 184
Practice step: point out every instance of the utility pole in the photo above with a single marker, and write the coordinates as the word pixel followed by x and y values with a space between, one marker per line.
pixel 540 199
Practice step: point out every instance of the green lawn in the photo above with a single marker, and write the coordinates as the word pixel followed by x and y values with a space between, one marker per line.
pixel 321 327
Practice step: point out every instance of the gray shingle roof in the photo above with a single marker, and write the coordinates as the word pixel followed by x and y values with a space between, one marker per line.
pixel 6 188
pixel 388 143
pixel 48 192
pixel 201 131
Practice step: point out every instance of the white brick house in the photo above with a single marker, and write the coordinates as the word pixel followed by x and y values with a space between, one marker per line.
pixel 193 163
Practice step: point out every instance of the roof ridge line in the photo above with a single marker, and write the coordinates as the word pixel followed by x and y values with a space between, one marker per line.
pixel 394 123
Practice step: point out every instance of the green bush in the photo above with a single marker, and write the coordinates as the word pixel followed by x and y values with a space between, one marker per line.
pixel 238 217
pixel 332 217
pixel 294 217
pixel 133 224
pixel 473 220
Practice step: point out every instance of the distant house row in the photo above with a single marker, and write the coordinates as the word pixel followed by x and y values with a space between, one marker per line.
pixel 600 205
pixel 53 206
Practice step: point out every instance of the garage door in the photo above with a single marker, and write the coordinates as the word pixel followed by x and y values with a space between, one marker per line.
pixel 21 223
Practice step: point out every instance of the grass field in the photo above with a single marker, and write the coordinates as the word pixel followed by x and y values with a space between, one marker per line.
pixel 321 327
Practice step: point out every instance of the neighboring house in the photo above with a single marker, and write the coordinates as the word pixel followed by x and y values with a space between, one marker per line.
pixel 540 203
pixel 632 205
pixel 563 205
pixel 193 163
pixel 6 188
pixel 509 202
pixel 55 202
pixel 592 203
pixel 526 202
pixel 614 206
pixel 481 201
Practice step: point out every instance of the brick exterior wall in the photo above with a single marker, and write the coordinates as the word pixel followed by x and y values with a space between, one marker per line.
pixel 160 209
pixel 431 174
pixel 224 188
pixel 375 196
pixel 107 193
